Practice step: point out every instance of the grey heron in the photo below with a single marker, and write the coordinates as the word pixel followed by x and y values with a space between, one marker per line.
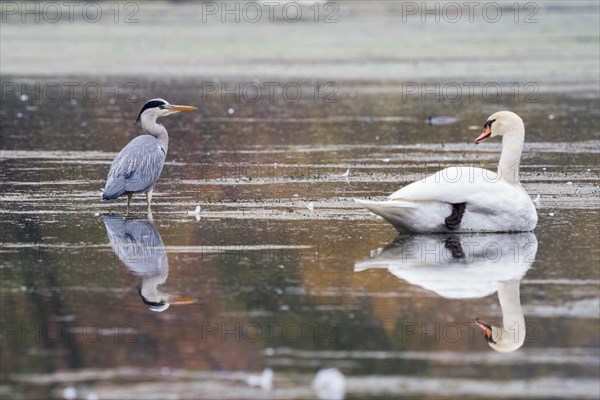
pixel 139 164
pixel 139 246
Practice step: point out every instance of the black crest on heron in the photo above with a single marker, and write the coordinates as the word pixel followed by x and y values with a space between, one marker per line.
pixel 154 103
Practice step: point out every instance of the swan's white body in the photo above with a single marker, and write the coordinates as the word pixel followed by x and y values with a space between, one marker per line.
pixel 493 204
pixel 494 201
pixel 428 262
pixel 467 267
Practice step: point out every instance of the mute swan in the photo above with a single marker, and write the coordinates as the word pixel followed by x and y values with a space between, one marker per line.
pixel 511 335
pixel 467 199
pixel 467 267
pixel 140 247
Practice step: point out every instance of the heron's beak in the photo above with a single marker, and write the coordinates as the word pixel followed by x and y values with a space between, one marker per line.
pixel 177 108
pixel 182 300
pixel 486 134
pixel 487 329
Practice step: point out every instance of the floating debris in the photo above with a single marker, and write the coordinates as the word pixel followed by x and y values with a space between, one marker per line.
pixel 263 381
pixel 92 396
pixel 195 213
pixel 569 183
pixel 311 206
pixel 441 120
pixel 551 214
pixel 69 393
pixel 386 160
pixel 329 384
pixel 230 111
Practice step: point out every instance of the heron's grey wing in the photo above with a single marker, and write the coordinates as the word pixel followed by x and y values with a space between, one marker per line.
pixel 135 168
pixel 137 244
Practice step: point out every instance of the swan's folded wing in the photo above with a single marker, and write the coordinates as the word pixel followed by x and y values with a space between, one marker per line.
pixel 455 185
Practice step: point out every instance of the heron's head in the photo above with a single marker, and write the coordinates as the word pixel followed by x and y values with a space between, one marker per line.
pixel 159 108
pixel 499 124
pixel 159 301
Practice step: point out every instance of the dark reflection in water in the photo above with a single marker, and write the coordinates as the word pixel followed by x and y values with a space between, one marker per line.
pixel 467 267
pixel 138 244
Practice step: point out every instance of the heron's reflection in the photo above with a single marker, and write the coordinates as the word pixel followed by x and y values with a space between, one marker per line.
pixel 466 267
pixel 139 246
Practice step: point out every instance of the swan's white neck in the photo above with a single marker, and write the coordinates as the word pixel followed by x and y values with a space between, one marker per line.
pixel 512 334
pixel 151 127
pixel 512 147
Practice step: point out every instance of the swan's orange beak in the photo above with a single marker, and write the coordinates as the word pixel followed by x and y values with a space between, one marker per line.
pixel 487 132
pixel 487 329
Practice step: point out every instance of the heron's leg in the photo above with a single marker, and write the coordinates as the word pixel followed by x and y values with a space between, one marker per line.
pixel 129 195
pixel 149 198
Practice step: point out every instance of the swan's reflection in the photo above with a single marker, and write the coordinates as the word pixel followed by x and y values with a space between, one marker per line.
pixel 466 267
pixel 139 246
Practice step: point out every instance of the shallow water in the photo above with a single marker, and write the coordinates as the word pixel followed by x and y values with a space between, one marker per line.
pixel 269 283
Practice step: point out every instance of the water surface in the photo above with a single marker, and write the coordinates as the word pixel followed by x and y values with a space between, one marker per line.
pixel 268 283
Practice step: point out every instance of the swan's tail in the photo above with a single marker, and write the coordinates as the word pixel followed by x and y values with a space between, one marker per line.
pixel 396 212
pixel 411 216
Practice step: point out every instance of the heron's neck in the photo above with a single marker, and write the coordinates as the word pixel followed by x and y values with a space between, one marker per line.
pixel 512 147
pixel 150 283
pixel 151 127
